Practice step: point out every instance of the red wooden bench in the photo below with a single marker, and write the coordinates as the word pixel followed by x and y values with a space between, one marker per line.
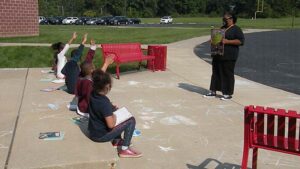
pixel 124 53
pixel 269 129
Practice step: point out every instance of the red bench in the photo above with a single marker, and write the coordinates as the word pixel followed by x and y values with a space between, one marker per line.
pixel 124 53
pixel 265 128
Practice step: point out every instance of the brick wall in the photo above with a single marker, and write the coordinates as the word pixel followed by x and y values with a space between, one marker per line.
pixel 19 18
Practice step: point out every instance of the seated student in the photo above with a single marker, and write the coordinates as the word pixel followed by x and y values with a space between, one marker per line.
pixel 102 120
pixel 59 56
pixel 84 84
pixel 71 69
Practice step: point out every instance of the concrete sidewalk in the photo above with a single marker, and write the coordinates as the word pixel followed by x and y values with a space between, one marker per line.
pixel 179 128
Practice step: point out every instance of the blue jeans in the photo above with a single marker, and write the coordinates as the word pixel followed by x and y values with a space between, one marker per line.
pixel 127 127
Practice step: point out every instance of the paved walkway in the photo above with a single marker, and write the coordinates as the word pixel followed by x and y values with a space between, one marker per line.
pixel 179 128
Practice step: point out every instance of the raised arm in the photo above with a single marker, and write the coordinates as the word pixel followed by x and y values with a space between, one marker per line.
pixel 74 36
pixel 91 53
pixel 79 51
pixel 108 60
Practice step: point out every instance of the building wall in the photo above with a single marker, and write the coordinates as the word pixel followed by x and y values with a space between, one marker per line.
pixel 19 18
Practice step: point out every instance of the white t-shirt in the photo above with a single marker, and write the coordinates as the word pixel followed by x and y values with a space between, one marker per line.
pixel 62 61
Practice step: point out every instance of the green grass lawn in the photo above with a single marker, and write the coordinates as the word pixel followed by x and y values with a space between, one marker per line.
pixel 28 57
pixel 104 34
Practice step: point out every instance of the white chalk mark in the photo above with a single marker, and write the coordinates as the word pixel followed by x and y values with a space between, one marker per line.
pixel 144 113
pixel 175 105
pixel 157 85
pixel 133 83
pixel 177 119
pixel 220 156
pixel 147 109
pixel 147 118
pixel 243 83
pixel 157 112
pixel 3 146
pixel 166 149
pixel 53 106
pixel 146 126
pixel 49 116
pixel 155 138
pixel 5 133
pixel 204 141
pixel 229 119
pixel 137 101
pixel 278 162
pixel 207 112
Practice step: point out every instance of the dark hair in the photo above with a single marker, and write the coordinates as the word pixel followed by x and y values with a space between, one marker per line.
pixel 100 80
pixel 232 15
pixel 57 47
pixel 86 68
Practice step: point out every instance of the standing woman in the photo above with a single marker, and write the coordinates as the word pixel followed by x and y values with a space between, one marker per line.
pixel 222 78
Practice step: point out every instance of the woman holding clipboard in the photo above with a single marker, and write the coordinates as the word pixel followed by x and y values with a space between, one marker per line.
pixel 222 78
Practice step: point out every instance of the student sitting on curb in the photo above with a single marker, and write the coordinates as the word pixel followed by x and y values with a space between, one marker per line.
pixel 60 58
pixel 71 69
pixel 102 122
pixel 84 84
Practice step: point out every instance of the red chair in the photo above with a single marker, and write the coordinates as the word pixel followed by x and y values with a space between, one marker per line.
pixel 258 120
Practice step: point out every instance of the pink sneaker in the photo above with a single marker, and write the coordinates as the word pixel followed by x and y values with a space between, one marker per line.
pixel 129 153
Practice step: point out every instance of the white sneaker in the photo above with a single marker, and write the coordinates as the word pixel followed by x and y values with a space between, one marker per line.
pixel 58 81
pixel 82 114
pixel 226 97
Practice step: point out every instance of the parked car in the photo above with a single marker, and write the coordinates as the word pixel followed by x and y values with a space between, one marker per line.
pixel 79 21
pixel 104 20
pixel 54 20
pixel 92 21
pixel 43 20
pixel 166 20
pixel 82 20
pixel 70 20
pixel 117 20
pixel 134 21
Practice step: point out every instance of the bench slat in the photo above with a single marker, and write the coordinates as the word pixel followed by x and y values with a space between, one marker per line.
pixel 260 129
pixel 281 129
pixel 292 132
pixel 270 128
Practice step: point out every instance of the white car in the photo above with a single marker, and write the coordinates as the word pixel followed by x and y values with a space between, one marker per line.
pixel 166 19
pixel 70 20
pixel 41 18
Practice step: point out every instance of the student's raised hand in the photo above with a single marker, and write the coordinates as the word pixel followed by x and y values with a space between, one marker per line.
pixel 84 39
pixel 74 36
pixel 110 59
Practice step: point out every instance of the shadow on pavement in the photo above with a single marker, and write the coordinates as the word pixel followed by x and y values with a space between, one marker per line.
pixel 193 88
pixel 208 163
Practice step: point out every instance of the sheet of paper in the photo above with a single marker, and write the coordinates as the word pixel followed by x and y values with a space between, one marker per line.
pixel 122 115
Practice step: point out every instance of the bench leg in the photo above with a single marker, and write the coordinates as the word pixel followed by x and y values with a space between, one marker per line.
pixel 118 71
pixel 153 66
pixel 254 158
pixel 245 156
pixel 140 64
